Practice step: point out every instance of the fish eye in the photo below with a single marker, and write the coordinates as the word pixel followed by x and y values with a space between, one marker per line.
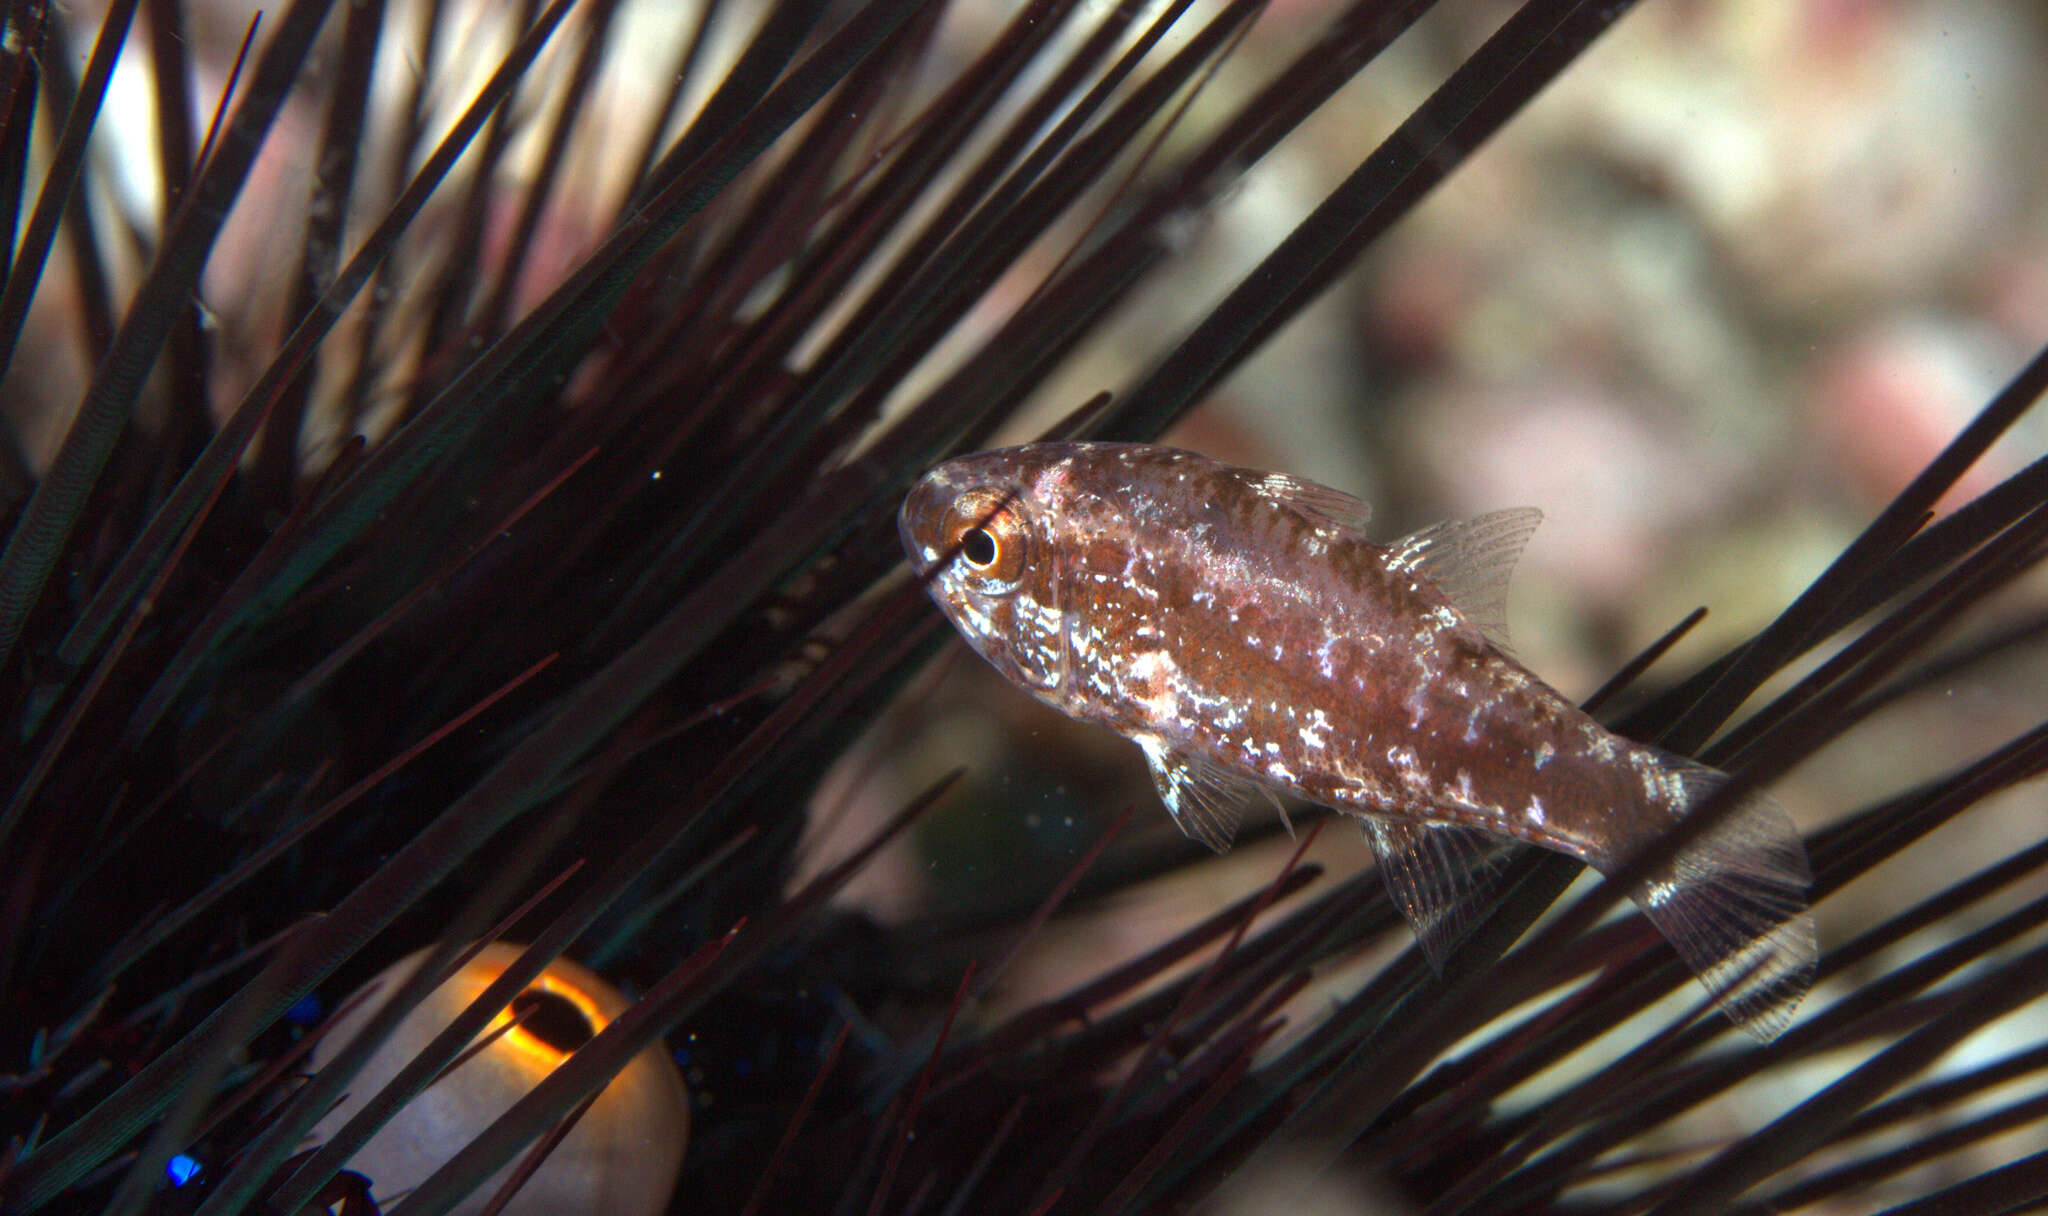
pixel 989 538
pixel 978 548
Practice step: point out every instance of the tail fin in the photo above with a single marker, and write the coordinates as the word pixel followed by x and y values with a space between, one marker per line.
pixel 1733 904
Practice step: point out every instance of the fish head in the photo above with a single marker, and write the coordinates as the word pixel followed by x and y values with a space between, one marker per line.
pixel 981 530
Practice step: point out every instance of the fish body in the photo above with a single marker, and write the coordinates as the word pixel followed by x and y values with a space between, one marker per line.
pixel 1240 628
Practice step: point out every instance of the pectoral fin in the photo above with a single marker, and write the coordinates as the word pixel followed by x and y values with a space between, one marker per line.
pixel 1441 877
pixel 1207 802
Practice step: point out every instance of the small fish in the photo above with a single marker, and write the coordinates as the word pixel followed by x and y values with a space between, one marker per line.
pixel 1239 628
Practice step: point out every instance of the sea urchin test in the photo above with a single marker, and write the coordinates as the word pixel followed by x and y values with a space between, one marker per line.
pixel 619 1158
pixel 1239 628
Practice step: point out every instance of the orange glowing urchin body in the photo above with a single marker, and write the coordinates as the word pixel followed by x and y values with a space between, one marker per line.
pixel 621 1156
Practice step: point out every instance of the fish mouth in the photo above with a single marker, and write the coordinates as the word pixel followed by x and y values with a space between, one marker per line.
pixel 917 523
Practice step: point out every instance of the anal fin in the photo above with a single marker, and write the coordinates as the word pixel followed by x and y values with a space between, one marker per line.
pixel 1441 877
pixel 1207 802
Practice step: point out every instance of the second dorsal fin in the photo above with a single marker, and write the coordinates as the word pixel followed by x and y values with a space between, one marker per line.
pixel 1470 561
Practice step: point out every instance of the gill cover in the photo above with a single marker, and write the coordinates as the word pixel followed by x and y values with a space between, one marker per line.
pixel 996 572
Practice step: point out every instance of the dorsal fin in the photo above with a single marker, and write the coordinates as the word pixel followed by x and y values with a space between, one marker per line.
pixel 1314 500
pixel 1470 561
pixel 1441 876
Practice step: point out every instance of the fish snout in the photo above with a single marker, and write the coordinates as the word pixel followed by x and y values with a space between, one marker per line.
pixel 917 524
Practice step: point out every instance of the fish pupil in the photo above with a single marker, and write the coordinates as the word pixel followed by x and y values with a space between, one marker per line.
pixel 978 547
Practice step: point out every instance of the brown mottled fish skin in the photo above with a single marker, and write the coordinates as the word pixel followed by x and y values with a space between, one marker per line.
pixel 1203 613
pixel 1238 627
